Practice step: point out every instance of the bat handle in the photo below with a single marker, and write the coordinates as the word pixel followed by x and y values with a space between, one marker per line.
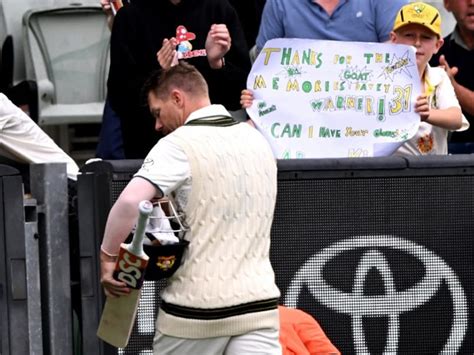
pixel 144 208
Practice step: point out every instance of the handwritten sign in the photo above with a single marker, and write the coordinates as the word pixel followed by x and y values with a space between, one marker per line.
pixel 321 99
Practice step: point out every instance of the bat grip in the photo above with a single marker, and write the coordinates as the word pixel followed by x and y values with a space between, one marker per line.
pixel 144 208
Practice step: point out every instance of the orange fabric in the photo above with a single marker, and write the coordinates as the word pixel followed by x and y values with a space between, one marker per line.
pixel 300 334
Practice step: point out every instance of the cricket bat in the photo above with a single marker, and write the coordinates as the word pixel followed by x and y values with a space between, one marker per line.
pixel 119 313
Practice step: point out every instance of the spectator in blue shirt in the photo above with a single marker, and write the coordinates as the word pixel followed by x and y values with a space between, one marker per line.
pixel 339 20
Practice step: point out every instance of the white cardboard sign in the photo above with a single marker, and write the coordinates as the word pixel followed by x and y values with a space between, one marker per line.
pixel 321 99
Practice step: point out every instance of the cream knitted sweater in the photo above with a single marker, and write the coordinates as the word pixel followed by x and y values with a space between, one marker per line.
pixel 226 284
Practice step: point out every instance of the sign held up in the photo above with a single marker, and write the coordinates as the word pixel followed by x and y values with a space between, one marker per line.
pixel 327 99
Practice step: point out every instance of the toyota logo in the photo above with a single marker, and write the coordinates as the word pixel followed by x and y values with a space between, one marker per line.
pixel 392 303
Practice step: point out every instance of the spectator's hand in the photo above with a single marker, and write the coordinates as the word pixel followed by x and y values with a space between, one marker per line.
pixel 218 43
pixel 422 107
pixel 246 98
pixel 167 55
pixel 451 71
pixel 112 287
pixel 106 6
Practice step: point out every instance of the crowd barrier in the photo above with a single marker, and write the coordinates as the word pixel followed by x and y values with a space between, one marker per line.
pixel 35 282
pixel 20 319
pixel 378 250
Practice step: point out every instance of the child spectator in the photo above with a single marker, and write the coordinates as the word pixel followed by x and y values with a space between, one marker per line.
pixel 419 25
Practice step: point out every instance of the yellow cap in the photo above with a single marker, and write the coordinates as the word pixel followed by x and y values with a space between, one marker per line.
pixel 420 13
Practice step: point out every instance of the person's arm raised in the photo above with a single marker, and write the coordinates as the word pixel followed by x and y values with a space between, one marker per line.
pixel 218 43
pixel 464 95
pixel 167 55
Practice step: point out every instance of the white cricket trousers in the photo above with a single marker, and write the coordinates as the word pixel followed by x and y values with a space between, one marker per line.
pixel 259 342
